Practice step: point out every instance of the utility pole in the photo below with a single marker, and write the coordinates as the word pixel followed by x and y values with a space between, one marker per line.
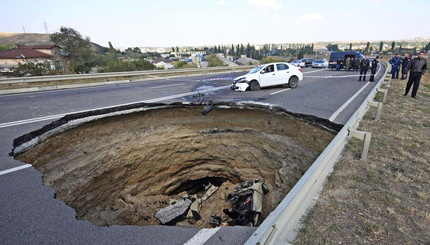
pixel 46 27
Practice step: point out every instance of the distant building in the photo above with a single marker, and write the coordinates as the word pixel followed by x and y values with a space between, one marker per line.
pixel 163 64
pixel 188 53
pixel 9 60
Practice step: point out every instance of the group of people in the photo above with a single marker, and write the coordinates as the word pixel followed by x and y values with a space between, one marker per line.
pixel 359 64
pixel 415 67
pixel 348 64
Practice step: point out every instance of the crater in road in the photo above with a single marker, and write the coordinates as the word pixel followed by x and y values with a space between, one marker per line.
pixel 123 169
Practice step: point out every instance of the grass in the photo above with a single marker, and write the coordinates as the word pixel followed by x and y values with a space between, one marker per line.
pixel 386 199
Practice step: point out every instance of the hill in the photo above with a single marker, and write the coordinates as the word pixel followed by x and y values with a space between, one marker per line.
pixel 24 38
pixel 34 39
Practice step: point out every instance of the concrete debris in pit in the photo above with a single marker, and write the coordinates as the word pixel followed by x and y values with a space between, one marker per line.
pixel 173 212
pixel 246 204
pixel 177 208
pixel 197 201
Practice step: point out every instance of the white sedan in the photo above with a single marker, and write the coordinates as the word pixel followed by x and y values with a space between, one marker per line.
pixel 298 63
pixel 322 63
pixel 273 74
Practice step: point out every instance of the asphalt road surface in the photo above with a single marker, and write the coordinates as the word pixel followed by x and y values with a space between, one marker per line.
pixel 30 214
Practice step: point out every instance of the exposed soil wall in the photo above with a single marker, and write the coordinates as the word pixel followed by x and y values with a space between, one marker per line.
pixel 121 170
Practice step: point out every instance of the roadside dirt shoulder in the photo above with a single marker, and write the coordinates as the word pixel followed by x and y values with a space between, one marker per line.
pixel 386 199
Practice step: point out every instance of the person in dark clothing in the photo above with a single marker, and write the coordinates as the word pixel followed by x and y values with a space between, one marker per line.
pixel 364 67
pixel 373 69
pixel 356 64
pixel 417 68
pixel 338 63
pixel 395 68
pixel 405 64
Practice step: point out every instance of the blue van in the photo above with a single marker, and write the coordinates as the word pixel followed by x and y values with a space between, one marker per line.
pixel 343 56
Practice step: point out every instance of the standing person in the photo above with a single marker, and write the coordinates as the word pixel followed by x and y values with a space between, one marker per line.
pixel 417 68
pixel 395 62
pixel 373 69
pixel 338 63
pixel 405 64
pixel 364 67
pixel 347 63
pixel 356 63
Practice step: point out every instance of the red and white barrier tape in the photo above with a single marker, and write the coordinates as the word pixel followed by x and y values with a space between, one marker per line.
pixel 425 92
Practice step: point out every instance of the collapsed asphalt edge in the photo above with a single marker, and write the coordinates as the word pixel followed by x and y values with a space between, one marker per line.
pixel 26 141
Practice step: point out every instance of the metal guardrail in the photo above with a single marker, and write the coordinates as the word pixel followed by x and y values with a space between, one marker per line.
pixel 282 224
pixel 174 72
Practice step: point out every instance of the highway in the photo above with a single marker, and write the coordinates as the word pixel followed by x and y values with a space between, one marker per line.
pixel 29 212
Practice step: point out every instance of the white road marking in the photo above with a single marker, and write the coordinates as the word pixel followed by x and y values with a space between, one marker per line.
pixel 315 71
pixel 14 169
pixel 338 111
pixel 202 236
pixel 280 91
pixel 167 86
pixel 40 119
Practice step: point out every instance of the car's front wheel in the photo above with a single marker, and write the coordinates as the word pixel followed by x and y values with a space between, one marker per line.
pixel 293 82
pixel 254 86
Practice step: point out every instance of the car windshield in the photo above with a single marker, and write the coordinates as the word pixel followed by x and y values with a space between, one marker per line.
pixel 256 69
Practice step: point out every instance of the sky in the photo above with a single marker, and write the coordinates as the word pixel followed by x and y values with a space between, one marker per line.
pixel 167 23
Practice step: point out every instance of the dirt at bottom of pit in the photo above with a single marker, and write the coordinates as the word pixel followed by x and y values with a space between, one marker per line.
pixel 122 170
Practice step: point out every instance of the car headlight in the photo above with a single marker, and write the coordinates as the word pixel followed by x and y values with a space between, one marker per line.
pixel 242 80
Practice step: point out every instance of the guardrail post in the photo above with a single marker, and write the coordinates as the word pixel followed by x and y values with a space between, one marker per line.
pixel 385 91
pixel 378 105
pixel 366 136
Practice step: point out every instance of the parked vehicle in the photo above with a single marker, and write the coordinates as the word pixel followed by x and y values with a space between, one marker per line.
pixel 320 63
pixel 308 61
pixel 342 55
pixel 298 63
pixel 272 74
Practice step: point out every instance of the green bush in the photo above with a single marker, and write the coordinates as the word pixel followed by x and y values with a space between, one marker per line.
pixel 38 69
pixel 270 59
pixel 213 60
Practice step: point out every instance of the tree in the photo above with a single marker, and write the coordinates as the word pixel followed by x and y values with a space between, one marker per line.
pixel 381 46
pixel 111 48
pixel 350 46
pixel 76 47
pixel 427 47
pixel 213 60
pixel 34 69
pixel 333 47
pixel 393 45
pixel 300 55
pixel 270 59
pixel 366 51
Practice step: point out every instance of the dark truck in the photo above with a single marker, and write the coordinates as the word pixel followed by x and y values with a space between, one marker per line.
pixel 342 55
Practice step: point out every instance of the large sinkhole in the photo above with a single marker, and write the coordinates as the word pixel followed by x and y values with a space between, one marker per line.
pixel 123 168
